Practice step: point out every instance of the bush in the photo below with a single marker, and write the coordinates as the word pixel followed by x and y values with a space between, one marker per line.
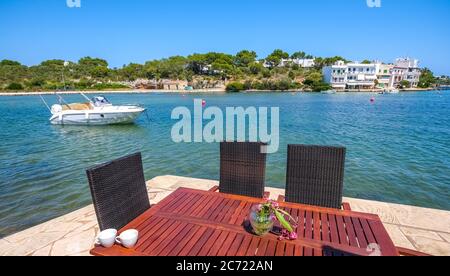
pixel 235 87
pixel 103 86
pixel 14 86
pixel 320 86
pixel 405 84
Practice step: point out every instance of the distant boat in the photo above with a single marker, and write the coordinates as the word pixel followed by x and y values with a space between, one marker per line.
pixel 98 111
pixel 328 92
pixel 393 91
pixel 390 91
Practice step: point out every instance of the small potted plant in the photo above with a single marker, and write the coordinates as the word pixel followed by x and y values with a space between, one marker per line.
pixel 263 218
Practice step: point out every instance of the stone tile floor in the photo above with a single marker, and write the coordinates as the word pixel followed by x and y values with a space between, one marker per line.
pixel 74 234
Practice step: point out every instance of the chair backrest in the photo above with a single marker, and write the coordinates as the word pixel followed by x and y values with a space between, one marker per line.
pixel 242 168
pixel 119 191
pixel 315 175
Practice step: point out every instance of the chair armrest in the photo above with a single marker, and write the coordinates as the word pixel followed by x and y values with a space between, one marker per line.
pixel 214 189
pixel 346 206
pixel 281 198
pixel 411 253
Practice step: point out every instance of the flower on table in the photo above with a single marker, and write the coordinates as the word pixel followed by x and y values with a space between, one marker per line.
pixel 272 209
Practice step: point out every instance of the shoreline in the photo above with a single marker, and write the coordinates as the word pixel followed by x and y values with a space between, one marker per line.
pixel 122 91
pixel 215 90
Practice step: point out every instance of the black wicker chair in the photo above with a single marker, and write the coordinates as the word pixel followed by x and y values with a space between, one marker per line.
pixel 119 191
pixel 315 176
pixel 242 169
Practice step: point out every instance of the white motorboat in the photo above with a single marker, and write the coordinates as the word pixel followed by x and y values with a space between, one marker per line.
pixel 98 111
pixel 393 91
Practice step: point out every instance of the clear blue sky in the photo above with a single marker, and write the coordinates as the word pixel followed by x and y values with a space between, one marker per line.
pixel 124 31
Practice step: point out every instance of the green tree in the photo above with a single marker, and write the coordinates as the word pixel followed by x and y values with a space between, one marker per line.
pixel 256 68
pixel 131 72
pixel 12 71
pixel 15 86
pixel 235 87
pixel 314 81
pixel 92 62
pixel 298 55
pixel 245 58
pixel 366 62
pixel 405 84
pixel 274 59
pixel 291 75
pixel 426 79
pixel 321 62
pixel 7 62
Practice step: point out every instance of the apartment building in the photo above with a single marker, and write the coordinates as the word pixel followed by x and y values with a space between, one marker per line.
pixel 355 76
pixel 343 76
pixel 406 69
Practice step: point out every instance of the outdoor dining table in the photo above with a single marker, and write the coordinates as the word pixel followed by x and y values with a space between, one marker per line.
pixel 204 223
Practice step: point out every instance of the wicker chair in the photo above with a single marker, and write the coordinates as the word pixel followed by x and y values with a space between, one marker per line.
pixel 242 169
pixel 119 191
pixel 315 176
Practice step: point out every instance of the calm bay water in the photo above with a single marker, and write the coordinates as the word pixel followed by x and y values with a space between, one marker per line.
pixel 398 147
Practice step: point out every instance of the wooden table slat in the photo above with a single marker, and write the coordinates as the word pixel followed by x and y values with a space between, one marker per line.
pixel 235 245
pixel 350 231
pixel 271 247
pixel 209 243
pixel 325 227
pixel 225 247
pixel 279 251
pixel 362 241
pixel 167 238
pixel 162 237
pixel 301 224
pixel 218 244
pixel 193 241
pixel 180 241
pixel 244 246
pixel 200 242
pixel 252 248
pixel 153 234
pixel 343 239
pixel 262 247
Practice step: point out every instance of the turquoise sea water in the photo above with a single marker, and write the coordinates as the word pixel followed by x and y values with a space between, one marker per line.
pixel 398 147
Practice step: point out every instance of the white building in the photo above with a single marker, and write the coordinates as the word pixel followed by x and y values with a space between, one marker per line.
pixel 384 76
pixel 336 75
pixel 406 69
pixel 351 76
pixel 304 62
pixel 361 76
pixel 356 76
pixel 301 62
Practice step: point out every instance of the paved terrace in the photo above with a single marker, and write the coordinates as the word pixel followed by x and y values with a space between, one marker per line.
pixel 421 229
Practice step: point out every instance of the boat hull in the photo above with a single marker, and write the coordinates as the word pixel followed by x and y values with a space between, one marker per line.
pixel 96 118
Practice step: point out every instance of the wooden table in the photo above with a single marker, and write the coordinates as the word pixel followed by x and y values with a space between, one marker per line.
pixel 201 223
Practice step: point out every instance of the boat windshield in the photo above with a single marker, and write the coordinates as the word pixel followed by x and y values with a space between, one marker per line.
pixel 100 101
